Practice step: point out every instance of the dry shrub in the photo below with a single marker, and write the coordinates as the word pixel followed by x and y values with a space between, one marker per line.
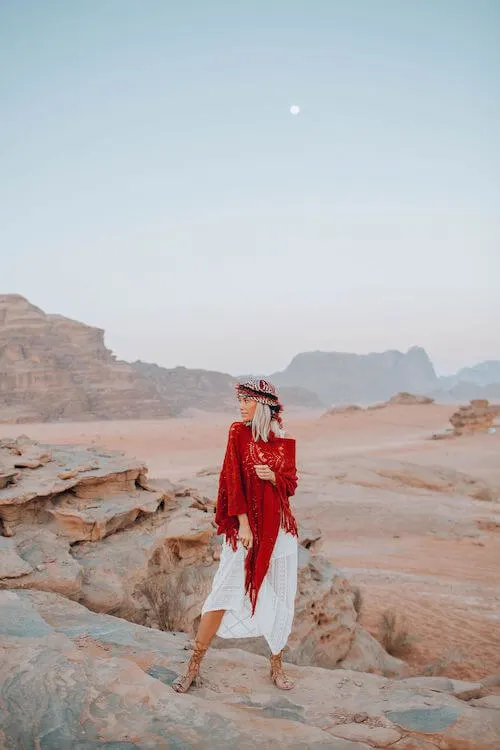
pixel 394 634
pixel 357 600
pixel 164 596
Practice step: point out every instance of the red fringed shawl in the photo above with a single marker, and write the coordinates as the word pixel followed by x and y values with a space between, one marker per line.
pixel 267 505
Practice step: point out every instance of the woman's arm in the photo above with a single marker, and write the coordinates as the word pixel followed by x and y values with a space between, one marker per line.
pixel 233 475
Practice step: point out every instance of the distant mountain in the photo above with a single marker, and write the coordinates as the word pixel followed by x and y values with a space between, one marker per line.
pixel 210 390
pixel 483 374
pixel 185 388
pixel 463 391
pixel 340 378
pixel 53 368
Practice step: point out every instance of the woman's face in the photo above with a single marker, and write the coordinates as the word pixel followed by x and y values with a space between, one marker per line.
pixel 247 408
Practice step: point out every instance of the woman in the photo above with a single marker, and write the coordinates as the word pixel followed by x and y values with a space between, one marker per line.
pixel 253 592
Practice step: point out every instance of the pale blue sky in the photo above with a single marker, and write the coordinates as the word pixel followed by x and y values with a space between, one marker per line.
pixel 154 183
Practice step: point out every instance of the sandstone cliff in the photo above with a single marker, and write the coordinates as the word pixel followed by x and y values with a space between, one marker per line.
pixel 53 368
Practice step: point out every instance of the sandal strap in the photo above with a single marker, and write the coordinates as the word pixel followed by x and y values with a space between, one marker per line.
pixel 193 667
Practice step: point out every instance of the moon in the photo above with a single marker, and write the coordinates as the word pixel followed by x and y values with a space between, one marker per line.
pixel 295 109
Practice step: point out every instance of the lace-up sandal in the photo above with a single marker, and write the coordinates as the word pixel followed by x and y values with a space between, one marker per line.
pixel 277 674
pixel 183 683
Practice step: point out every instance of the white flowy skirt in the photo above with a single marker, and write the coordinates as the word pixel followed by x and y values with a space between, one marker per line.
pixel 274 612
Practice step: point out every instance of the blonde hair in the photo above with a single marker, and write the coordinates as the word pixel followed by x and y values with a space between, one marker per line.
pixel 263 424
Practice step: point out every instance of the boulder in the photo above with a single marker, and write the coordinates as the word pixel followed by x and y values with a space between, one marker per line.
pixel 93 680
pixel 366 653
pixel 477 416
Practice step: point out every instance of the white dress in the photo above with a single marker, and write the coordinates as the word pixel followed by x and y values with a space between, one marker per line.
pixel 275 602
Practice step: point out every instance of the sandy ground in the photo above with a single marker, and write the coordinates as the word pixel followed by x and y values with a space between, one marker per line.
pixel 431 557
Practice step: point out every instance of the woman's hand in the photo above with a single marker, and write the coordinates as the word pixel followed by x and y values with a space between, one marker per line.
pixel 264 472
pixel 245 535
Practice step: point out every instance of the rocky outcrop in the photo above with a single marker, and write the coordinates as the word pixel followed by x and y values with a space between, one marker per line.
pixel 53 368
pixel 399 399
pixel 477 416
pixel 340 378
pixel 89 525
pixel 72 678
pixel 409 399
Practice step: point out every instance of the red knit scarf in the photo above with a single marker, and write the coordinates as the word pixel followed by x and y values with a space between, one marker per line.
pixel 267 505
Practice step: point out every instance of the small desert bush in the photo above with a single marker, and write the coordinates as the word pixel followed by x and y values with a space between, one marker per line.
pixel 394 634
pixel 163 595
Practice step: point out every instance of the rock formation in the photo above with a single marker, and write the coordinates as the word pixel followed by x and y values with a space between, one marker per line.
pixel 409 399
pixel 340 378
pixel 477 416
pixel 210 390
pixel 93 538
pixel 53 368
pixel 72 678
pixel 399 399
pixel 89 525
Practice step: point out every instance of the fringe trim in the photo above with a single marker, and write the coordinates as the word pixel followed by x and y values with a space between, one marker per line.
pixel 232 538
pixel 289 525
pixel 288 522
pixel 230 532
pixel 250 588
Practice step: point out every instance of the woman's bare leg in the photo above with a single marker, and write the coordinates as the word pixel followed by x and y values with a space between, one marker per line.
pixel 208 627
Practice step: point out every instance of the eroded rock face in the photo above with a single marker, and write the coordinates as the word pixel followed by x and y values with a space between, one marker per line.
pixel 87 524
pixel 92 680
pixel 53 368
pixel 477 416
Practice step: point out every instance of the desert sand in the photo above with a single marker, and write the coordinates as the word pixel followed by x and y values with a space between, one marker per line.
pixel 393 512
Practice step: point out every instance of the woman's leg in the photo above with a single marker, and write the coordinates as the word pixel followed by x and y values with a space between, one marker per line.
pixel 208 627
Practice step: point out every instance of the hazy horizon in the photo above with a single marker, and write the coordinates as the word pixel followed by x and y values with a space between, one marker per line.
pixel 155 184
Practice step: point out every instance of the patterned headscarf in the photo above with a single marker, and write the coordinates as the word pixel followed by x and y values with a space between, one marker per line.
pixel 263 392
